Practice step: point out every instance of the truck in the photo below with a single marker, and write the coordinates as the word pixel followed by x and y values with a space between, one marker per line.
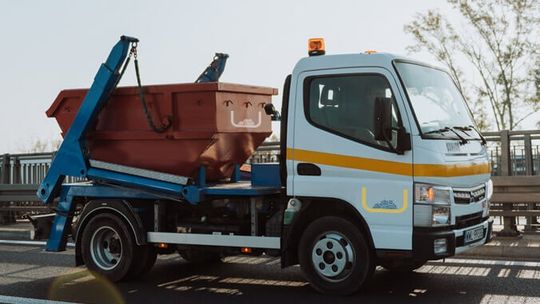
pixel 381 164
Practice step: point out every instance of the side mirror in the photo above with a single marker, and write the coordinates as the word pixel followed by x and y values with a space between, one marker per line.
pixel 270 110
pixel 382 119
pixel 403 141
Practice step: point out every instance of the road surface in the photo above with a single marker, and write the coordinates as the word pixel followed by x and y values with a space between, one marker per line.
pixel 28 274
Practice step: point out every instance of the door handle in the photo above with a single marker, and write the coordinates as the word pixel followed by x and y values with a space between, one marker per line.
pixel 308 169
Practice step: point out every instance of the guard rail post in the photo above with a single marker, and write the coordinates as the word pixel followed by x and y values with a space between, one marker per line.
pixel 5 175
pixel 509 222
pixel 5 169
pixel 531 220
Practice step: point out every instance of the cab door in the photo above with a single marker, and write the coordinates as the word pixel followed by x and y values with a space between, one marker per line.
pixel 333 152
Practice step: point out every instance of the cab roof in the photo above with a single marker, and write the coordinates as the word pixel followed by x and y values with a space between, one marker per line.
pixel 340 61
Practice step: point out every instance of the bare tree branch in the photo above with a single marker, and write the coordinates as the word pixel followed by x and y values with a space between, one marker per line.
pixel 500 40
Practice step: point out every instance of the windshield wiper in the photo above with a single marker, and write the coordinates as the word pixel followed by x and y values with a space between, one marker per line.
pixel 471 128
pixel 463 129
pixel 482 138
pixel 443 130
pixel 462 140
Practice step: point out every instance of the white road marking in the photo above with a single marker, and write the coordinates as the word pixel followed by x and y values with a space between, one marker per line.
pixel 489 262
pixel 19 300
pixel 32 243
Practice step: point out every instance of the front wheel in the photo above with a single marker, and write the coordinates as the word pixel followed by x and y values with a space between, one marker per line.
pixel 335 256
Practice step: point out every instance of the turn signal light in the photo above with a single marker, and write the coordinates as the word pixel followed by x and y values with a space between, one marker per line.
pixel 316 47
pixel 163 245
pixel 245 250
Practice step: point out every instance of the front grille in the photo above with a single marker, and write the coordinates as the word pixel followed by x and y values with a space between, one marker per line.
pixel 469 196
pixel 468 220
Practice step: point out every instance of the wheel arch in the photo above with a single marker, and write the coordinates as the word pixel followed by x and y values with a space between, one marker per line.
pixel 120 208
pixel 313 208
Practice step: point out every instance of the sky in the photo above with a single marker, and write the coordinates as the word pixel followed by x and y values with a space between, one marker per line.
pixel 47 46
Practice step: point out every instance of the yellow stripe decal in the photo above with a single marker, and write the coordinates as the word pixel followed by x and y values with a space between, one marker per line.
pixel 351 162
pixel 381 210
pixel 386 166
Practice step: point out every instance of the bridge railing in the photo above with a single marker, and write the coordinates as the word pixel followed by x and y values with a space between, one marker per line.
pixel 515 163
pixel 19 176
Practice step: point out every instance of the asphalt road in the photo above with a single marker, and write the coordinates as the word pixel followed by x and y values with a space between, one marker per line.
pixel 28 271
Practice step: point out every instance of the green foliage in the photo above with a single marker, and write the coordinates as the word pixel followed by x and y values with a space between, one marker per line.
pixel 500 39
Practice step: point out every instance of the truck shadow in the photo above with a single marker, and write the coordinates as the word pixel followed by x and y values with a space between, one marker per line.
pixel 260 280
pixel 254 279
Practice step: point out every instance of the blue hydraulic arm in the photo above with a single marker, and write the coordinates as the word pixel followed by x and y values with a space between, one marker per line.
pixel 214 70
pixel 70 158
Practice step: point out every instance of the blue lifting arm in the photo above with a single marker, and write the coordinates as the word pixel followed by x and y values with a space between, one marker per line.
pixel 70 160
pixel 214 70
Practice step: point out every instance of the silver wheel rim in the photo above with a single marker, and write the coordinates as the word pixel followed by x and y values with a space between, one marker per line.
pixel 106 248
pixel 333 257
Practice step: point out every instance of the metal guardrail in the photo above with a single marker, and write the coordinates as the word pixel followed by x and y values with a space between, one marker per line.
pixel 20 193
pixel 515 162
pixel 514 155
pixel 17 200
pixel 516 197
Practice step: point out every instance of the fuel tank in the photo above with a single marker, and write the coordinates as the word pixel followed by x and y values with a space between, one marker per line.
pixel 215 125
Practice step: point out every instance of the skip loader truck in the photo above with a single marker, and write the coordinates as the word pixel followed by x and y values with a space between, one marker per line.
pixel 380 164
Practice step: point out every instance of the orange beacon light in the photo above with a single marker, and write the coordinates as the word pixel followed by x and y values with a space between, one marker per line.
pixel 316 47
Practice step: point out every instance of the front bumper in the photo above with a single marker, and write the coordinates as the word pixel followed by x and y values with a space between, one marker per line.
pixel 423 241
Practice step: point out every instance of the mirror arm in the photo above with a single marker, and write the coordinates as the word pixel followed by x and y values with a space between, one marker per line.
pixel 394 149
pixel 401 134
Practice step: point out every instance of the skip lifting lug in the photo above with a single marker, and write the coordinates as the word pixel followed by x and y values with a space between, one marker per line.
pixel 133 50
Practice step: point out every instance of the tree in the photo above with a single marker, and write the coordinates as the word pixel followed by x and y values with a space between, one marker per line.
pixel 500 40
pixel 37 145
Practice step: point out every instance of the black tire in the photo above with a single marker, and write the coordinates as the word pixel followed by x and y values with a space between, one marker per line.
pixel 198 256
pixel 347 264
pixel 145 258
pixel 402 266
pixel 108 231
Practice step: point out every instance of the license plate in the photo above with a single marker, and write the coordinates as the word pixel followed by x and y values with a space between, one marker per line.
pixel 474 235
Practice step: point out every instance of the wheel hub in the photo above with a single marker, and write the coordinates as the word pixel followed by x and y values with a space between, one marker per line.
pixel 106 248
pixel 333 257
pixel 329 257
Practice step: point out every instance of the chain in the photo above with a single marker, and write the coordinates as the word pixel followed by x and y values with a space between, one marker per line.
pixel 166 123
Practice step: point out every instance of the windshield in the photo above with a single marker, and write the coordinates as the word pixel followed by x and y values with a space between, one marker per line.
pixel 436 101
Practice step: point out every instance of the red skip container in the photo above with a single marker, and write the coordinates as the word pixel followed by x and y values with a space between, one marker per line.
pixel 215 125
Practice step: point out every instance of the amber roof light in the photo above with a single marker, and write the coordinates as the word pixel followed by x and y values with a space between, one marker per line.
pixel 316 47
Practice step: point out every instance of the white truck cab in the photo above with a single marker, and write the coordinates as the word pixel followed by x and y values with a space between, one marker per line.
pixel 394 141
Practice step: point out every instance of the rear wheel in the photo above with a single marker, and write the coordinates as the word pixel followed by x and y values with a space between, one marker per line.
pixel 108 247
pixel 145 258
pixel 335 256
pixel 198 255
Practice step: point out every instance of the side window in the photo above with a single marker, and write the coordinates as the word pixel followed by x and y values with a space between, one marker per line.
pixel 344 104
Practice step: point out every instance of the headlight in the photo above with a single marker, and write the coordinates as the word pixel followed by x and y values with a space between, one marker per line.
pixel 431 205
pixel 430 194
pixel 489 189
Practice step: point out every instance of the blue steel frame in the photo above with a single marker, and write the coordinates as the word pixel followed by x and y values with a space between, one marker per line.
pixel 71 160
pixel 68 192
